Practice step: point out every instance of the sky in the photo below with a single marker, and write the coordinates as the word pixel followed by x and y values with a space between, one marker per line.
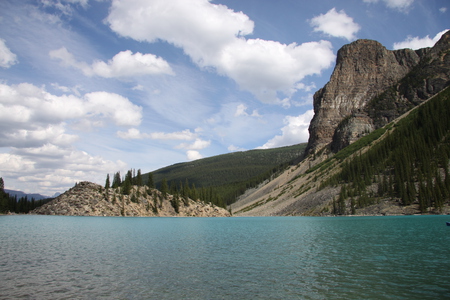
pixel 90 87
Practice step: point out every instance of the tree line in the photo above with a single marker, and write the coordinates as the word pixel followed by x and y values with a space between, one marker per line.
pixel 22 205
pixel 180 191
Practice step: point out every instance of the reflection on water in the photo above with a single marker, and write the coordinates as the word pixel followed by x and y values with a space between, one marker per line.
pixel 53 257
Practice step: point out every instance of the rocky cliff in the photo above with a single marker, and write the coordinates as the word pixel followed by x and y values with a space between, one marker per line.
pixel 370 86
pixel 90 199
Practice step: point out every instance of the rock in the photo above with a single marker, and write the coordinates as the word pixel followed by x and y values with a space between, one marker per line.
pixel 371 86
pixel 90 199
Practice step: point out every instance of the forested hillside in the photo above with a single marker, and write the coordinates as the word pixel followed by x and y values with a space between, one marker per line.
pixel 227 176
pixel 401 168
pixel 411 164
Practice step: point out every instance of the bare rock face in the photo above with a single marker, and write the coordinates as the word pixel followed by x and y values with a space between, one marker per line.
pixel 371 86
pixel 90 199
pixel 350 130
pixel 364 69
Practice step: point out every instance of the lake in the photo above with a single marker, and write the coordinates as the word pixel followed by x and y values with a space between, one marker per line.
pixel 57 257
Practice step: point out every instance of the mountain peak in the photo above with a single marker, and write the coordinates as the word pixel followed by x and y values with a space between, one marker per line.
pixel 364 70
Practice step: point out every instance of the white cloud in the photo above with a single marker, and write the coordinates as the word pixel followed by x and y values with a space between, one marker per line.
pixel 37 136
pixel 49 169
pixel 123 64
pixel 233 148
pixel 295 131
pixel 417 43
pixel 193 155
pixel 134 133
pixel 30 116
pixel 213 36
pixel 33 126
pixel 241 110
pixel 198 144
pixel 443 9
pixel 401 5
pixel 7 58
pixel 267 67
pixel 201 28
pixel 337 24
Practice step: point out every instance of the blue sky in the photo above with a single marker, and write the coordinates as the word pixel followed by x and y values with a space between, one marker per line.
pixel 94 87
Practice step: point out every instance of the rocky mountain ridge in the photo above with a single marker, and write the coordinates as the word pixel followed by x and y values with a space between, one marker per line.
pixel 371 86
pixel 90 199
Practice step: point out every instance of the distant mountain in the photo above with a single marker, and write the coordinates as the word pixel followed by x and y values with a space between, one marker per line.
pixel 20 194
pixel 231 174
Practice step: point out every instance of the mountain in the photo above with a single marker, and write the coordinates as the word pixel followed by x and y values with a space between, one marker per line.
pixel 371 86
pixel 369 151
pixel 90 199
pixel 20 194
pixel 230 174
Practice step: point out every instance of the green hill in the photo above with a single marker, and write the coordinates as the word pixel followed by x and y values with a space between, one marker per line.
pixel 229 175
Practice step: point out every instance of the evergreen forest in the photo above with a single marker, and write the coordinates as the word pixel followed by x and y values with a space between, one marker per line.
pixel 409 164
pixel 221 179
pixel 12 204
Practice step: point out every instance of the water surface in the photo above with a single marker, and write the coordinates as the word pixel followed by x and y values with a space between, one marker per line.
pixel 56 257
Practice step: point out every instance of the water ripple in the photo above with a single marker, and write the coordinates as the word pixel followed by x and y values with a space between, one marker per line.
pixel 51 257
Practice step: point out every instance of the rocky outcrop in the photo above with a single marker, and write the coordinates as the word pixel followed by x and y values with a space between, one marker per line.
pixel 370 86
pixel 90 199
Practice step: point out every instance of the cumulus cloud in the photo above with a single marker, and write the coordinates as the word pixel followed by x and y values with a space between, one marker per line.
pixel 417 42
pixel 198 144
pixel 193 155
pixel 401 5
pixel 7 58
pixel 213 36
pixel 192 152
pixel 50 168
pixel 443 9
pixel 123 64
pixel 337 24
pixel 34 127
pixel 31 117
pixel 294 132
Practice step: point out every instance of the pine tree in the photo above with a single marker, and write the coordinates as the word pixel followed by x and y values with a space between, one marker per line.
pixel 164 188
pixel 116 180
pixel 150 182
pixel 193 193
pixel 126 186
pixel 107 183
pixel 139 178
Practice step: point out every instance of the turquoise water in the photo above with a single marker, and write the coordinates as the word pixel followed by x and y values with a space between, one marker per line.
pixel 55 257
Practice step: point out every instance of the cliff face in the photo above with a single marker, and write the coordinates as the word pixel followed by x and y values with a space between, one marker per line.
pixel 90 199
pixel 370 86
